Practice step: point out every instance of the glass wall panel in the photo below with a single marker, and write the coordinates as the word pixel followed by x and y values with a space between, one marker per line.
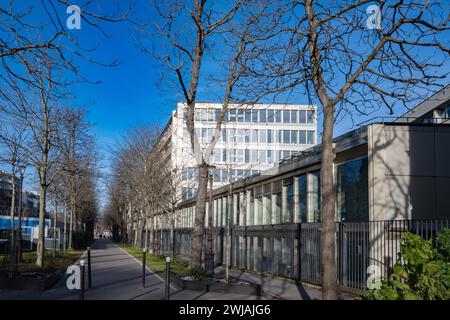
pixel 314 195
pixel 276 208
pixel 243 209
pixel 251 209
pixel 302 198
pixel 289 203
pixel 352 191
pixel 262 116
pixel 259 210
pixel 267 209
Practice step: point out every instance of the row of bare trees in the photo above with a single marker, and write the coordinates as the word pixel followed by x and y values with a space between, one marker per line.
pixel 144 185
pixel 39 71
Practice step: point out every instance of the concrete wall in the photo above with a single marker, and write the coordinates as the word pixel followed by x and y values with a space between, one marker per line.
pixel 409 172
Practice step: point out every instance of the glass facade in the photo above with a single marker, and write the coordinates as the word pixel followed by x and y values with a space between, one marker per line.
pixel 352 190
pixel 256 116
pixel 314 195
pixel 302 198
pixel 290 203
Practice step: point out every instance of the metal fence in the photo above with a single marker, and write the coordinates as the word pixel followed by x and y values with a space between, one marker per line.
pixel 293 250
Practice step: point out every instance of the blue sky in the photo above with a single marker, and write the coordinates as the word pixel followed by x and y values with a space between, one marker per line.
pixel 128 94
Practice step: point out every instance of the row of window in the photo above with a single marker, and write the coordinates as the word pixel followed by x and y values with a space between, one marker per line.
pixel 248 156
pixel 293 200
pixel 255 136
pixel 219 175
pixel 254 116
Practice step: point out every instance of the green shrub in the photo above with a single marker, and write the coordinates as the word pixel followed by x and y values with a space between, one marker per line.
pixel 198 273
pixel 424 273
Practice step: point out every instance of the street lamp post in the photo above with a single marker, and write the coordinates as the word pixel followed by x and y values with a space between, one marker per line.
pixel 21 172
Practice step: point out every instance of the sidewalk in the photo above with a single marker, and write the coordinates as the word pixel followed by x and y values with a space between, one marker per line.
pixel 280 288
pixel 116 275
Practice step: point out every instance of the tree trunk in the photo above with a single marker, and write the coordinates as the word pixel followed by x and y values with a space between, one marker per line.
pixel 41 244
pixel 65 227
pixel 71 229
pixel 199 224
pixel 328 196
pixel 54 229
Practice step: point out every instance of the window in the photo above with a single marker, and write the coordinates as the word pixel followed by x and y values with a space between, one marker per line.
pixel 294 116
pixel 224 155
pixel 294 136
pixel 247 156
pixel 262 156
pixel 251 213
pixel 254 115
pixel 211 115
pixel 218 155
pixel 262 116
pixel 314 195
pixel 224 135
pixel 286 136
pixel 302 137
pixel 289 203
pixel 302 116
pixel 270 116
pixel 225 175
pixel 259 211
pixel 286 154
pixel 447 112
pixel 254 155
pixel 239 156
pixel 254 133
pixel 310 137
pixel 278 116
pixel 263 136
pixel 286 116
pixel 267 209
pixel 240 135
pixel 232 115
pixel 248 115
pixel 240 115
pixel 302 196
pixel 218 112
pixel 269 156
pixel 216 176
pixel 277 207
pixel 352 191
pixel 247 134
pixel 310 116
pixel 269 136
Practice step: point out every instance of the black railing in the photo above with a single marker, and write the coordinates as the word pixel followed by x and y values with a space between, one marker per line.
pixel 293 250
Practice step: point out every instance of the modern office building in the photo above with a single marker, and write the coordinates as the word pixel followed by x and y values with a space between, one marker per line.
pixel 253 138
pixel 390 178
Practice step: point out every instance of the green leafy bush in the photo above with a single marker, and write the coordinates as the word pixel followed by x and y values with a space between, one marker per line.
pixel 198 273
pixel 423 274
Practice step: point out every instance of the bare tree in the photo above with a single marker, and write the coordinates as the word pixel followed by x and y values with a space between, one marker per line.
pixel 187 36
pixel 343 60
pixel 12 137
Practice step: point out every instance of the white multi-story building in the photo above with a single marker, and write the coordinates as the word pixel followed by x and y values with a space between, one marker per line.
pixel 253 138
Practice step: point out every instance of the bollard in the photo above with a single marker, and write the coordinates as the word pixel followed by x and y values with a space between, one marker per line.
pixel 89 267
pixel 82 280
pixel 144 254
pixel 167 278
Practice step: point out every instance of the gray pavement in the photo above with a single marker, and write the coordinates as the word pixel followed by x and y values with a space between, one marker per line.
pixel 116 275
